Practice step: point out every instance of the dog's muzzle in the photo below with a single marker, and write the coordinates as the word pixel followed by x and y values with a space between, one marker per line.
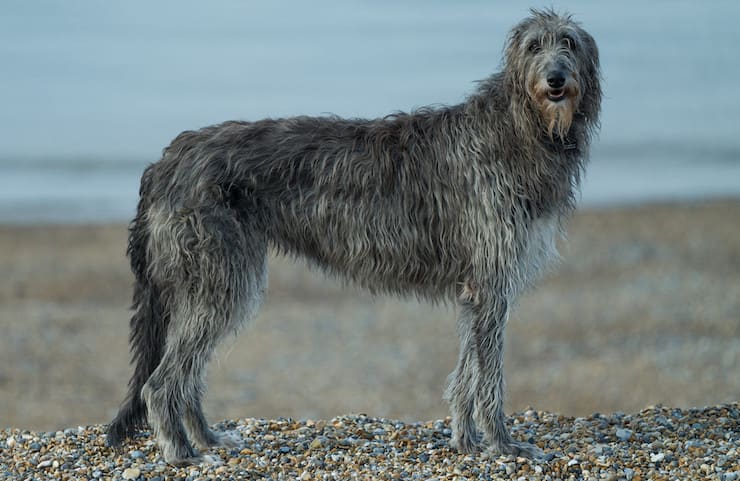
pixel 556 84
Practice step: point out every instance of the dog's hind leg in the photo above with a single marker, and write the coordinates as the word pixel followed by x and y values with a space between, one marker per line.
pixel 148 328
pixel 195 422
pixel 215 264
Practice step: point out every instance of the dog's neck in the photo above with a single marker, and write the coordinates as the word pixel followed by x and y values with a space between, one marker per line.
pixel 557 143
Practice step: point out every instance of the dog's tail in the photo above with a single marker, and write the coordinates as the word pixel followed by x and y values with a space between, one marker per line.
pixel 148 325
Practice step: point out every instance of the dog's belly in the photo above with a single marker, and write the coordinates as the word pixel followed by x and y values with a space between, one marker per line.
pixel 382 248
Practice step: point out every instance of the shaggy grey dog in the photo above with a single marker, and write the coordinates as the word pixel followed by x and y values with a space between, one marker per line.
pixel 459 203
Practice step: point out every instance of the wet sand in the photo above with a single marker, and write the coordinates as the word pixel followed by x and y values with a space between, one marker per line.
pixel 643 309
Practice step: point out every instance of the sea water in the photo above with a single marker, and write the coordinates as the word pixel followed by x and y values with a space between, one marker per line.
pixel 90 92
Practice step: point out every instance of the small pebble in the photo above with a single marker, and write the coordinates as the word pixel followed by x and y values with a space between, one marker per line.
pixel 656 458
pixel 131 473
pixel 136 454
pixel 624 434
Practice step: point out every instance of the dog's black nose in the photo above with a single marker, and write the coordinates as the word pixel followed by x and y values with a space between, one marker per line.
pixel 556 79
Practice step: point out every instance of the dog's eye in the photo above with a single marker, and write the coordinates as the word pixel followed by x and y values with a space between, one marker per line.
pixel 568 42
pixel 534 46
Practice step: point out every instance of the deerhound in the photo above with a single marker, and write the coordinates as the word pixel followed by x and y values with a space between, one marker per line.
pixel 460 203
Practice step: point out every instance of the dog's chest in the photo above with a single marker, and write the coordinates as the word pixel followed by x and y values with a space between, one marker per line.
pixel 539 247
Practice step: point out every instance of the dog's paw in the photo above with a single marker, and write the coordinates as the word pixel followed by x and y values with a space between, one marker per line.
pixel 216 439
pixel 518 449
pixel 467 443
pixel 210 460
pixel 197 460
pixel 228 439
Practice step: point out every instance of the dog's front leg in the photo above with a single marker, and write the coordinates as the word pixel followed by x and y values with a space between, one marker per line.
pixel 489 321
pixel 460 393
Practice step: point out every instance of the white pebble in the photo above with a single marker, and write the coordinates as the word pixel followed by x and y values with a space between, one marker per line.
pixel 131 473
pixel 654 458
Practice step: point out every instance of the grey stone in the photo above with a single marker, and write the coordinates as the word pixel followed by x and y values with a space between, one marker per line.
pixel 136 454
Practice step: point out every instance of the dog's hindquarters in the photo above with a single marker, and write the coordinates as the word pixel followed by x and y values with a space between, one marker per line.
pixel 200 272
pixel 213 264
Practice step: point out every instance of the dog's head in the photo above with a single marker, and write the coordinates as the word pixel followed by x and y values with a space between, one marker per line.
pixel 552 65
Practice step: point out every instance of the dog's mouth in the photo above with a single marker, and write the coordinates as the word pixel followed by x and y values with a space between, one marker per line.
pixel 556 95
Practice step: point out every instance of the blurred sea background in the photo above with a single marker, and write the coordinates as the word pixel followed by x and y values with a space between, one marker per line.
pixel 90 92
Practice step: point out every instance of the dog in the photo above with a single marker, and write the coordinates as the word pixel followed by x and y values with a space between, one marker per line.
pixel 457 203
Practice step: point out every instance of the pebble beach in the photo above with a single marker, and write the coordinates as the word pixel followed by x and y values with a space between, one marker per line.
pixel 658 443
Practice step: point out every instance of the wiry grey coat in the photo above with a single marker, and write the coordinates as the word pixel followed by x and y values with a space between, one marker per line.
pixel 458 203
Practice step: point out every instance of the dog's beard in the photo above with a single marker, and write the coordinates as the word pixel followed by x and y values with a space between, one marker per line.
pixel 558 116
